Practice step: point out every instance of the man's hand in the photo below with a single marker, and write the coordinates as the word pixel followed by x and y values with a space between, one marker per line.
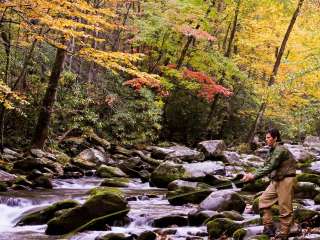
pixel 248 177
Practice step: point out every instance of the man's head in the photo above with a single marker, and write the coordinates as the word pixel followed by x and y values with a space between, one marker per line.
pixel 273 136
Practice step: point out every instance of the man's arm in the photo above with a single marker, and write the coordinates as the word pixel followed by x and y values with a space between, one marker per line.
pixel 274 162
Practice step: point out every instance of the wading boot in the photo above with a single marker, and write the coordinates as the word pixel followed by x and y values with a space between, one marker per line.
pixel 269 230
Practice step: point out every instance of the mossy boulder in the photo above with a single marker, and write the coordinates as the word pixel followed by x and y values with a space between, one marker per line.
pixel 309 177
pixel 106 205
pixel 304 215
pixel 224 200
pixel 83 163
pixel 102 190
pixel 166 173
pixel 256 186
pixel 115 182
pixel 46 214
pixel 42 182
pixel 105 171
pixel 306 190
pixel 222 226
pixel 239 234
pixel 200 217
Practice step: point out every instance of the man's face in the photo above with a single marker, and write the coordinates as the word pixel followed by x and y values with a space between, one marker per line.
pixel 270 140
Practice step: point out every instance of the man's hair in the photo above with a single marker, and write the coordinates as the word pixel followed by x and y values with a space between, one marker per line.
pixel 274 132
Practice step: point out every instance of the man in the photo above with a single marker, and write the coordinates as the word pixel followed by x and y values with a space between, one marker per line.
pixel 281 167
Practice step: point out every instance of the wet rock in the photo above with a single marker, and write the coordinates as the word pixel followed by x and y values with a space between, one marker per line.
pixel 42 182
pixel 61 157
pixel 224 200
pixel 177 152
pixel 20 187
pixel 109 205
pixel 147 235
pixel 233 215
pixel 114 236
pixel 187 192
pixel 3 187
pixel 105 171
pixel 231 157
pixel 212 148
pixel 239 234
pixel 307 177
pixel 317 199
pixel 306 190
pixel 249 160
pixel 303 215
pixel 7 177
pixel 300 154
pixel 135 167
pixel 173 220
pixel 198 171
pixel 256 186
pixel 115 182
pixel 22 180
pixel 200 217
pixel 314 167
pixel 83 164
pixel 222 226
pixel 46 214
pixel 93 155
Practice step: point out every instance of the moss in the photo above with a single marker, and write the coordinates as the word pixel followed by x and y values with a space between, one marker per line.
pixel 239 234
pixel 302 215
pixel 103 190
pixel 44 215
pixel 221 226
pixel 105 171
pixel 307 177
pixel 166 173
pixel 115 182
pixel 62 158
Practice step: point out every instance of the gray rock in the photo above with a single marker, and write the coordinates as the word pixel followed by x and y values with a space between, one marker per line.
pixel 7 177
pixel 314 168
pixel 212 148
pixel 200 170
pixel 312 141
pixel 262 152
pixel 177 152
pixel 224 200
pixel 231 157
pixel 299 153
pixel 249 160
pixel 306 190
pixel 11 152
pixel 93 155
pixel 37 153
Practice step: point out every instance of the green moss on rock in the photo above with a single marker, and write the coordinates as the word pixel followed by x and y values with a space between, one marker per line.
pixel 221 226
pixel 239 234
pixel 115 182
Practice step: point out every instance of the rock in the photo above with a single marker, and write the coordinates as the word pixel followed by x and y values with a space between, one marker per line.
pixel 166 173
pixel 317 199
pixel 135 167
pixel 147 235
pixel 312 141
pixel 169 171
pixel 256 186
pixel 262 152
pixel 115 182
pixel 222 226
pixel 224 200
pixel 177 184
pixel 62 158
pixel 29 163
pixel 94 139
pixel 233 215
pixel 83 164
pixel 239 234
pixel 22 180
pixel 167 221
pixel 307 177
pixel 113 236
pixel 188 194
pixel 3 187
pixel 250 160
pixel 177 152
pixel 93 155
pixel 105 171
pixel 200 217
pixel 46 214
pixel 11 152
pixel 306 190
pixel 74 145
pixel 300 154
pixel 42 182
pixel 212 148
pixel 314 168
pixel 7 177
pixel 231 157
pixel 108 204
pixel 38 153
pixel 305 215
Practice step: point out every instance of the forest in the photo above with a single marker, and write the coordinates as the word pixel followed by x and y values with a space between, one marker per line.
pixel 120 90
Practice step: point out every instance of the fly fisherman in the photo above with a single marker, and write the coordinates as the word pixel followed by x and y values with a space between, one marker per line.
pixel 281 167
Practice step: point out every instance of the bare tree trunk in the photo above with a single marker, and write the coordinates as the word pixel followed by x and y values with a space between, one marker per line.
pixel 275 70
pixel 42 127
pixel 233 31
pixel 224 44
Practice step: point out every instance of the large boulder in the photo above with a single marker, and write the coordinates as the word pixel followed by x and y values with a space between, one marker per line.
pixel 109 205
pixel 135 167
pixel 105 171
pixel 306 190
pixel 303 215
pixel 249 160
pixel 169 171
pixel 300 154
pixel 200 217
pixel 46 214
pixel 177 152
pixel 212 148
pixel 309 177
pixel 224 200
pixel 314 167
pixel 312 141
pixel 93 155
pixel 222 226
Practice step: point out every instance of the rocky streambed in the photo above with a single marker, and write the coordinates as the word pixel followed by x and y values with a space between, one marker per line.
pixel 92 189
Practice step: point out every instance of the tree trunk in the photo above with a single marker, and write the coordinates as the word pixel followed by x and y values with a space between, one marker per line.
pixel 233 31
pixel 275 70
pixel 42 127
